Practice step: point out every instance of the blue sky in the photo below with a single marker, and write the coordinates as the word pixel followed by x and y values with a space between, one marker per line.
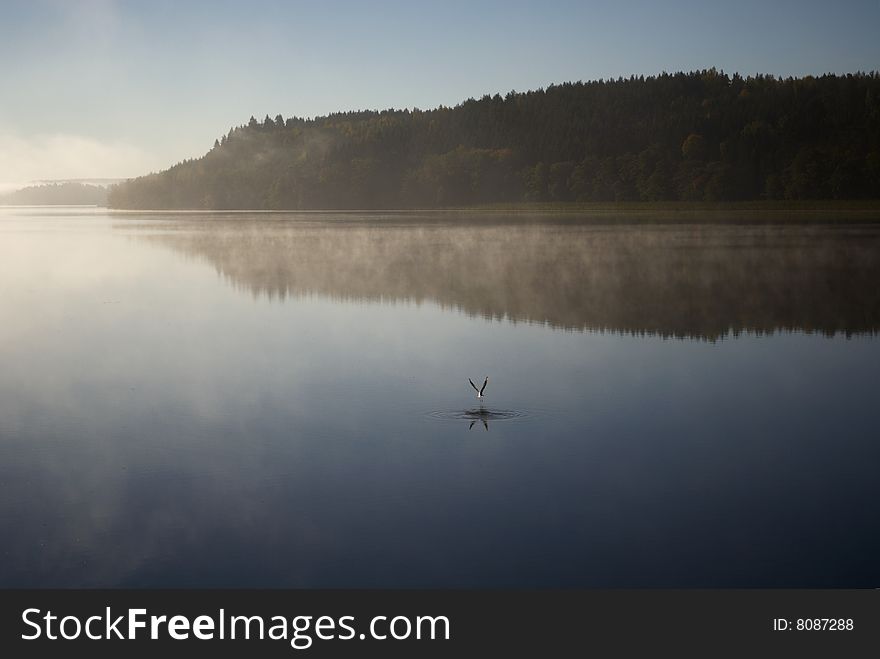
pixel 94 88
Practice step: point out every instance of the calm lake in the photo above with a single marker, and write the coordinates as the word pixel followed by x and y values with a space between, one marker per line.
pixel 282 400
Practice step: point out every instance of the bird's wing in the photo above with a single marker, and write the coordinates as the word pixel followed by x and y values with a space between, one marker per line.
pixel 473 385
pixel 485 382
pixel 472 424
pixel 485 424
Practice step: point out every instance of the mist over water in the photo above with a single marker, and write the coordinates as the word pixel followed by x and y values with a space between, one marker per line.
pixel 686 280
pixel 282 400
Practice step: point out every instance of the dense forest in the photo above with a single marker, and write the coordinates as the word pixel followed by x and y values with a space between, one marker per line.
pixel 701 136
pixel 57 194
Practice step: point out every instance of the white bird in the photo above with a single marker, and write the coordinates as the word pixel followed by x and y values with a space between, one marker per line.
pixel 481 389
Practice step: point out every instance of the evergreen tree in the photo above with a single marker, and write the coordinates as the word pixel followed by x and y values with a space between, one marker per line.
pixel 702 135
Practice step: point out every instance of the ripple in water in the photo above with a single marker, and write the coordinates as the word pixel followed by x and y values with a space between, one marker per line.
pixel 478 414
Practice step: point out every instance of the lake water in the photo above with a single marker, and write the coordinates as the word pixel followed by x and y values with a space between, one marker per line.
pixel 273 400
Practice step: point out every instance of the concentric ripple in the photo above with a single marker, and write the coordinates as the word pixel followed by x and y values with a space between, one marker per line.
pixel 477 414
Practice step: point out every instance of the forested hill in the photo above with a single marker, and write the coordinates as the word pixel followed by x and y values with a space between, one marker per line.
pixel 54 194
pixel 686 136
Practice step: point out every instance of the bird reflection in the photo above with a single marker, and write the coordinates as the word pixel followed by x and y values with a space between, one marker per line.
pixel 481 414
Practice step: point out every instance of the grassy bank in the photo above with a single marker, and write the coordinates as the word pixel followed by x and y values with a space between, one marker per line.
pixel 751 212
pixel 861 205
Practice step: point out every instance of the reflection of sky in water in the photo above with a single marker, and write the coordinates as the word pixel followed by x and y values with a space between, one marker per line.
pixel 161 427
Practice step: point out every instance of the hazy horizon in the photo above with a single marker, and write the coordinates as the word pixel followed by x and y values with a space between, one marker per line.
pixel 114 89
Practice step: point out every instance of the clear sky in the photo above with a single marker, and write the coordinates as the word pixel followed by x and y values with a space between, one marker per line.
pixel 103 88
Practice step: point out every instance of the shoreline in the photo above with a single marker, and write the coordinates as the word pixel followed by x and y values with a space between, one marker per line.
pixel 745 212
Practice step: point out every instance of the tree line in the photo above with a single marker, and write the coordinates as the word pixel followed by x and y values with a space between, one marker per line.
pixel 68 193
pixel 697 136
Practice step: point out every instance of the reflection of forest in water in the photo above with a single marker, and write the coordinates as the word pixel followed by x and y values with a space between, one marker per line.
pixel 672 280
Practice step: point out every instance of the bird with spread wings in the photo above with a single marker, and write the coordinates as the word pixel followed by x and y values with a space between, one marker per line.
pixel 481 389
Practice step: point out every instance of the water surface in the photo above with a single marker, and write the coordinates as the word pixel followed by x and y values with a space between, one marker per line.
pixel 282 400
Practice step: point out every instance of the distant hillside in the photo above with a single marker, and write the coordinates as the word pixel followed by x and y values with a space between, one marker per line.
pixel 686 136
pixel 57 194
